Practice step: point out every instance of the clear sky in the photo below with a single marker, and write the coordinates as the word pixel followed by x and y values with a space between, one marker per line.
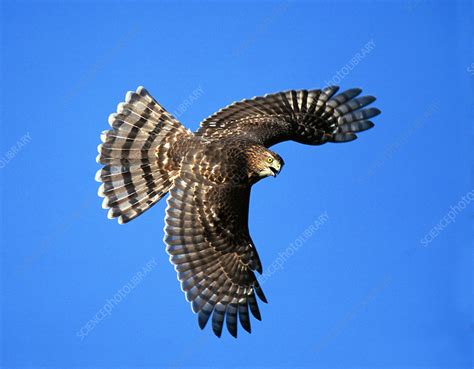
pixel 385 281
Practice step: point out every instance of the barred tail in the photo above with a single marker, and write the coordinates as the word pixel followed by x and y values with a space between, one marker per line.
pixel 138 168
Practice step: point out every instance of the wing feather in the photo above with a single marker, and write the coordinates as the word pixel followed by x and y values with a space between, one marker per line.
pixel 312 117
pixel 208 242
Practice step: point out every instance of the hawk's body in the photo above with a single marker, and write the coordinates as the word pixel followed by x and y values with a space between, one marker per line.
pixel 209 175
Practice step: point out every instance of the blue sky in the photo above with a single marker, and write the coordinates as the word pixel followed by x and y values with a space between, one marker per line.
pixel 385 281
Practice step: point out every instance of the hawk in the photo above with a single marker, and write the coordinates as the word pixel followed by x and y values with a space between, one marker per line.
pixel 208 174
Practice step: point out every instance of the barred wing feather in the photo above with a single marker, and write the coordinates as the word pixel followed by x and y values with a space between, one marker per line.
pixel 312 117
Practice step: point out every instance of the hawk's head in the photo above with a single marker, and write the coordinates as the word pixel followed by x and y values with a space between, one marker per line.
pixel 264 162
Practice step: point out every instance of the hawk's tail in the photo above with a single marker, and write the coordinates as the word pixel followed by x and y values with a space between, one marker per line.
pixel 137 170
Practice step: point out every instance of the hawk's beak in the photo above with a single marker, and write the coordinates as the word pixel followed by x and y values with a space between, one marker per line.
pixel 276 168
pixel 274 171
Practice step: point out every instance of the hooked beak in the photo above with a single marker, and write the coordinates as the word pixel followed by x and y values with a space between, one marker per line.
pixel 276 167
pixel 274 171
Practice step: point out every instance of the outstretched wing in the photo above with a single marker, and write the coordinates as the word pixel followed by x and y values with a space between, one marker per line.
pixel 312 117
pixel 207 237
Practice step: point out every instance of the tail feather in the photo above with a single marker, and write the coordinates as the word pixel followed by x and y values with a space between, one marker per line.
pixel 138 168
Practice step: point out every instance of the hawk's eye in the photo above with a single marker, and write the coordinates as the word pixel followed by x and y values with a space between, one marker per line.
pixel 270 160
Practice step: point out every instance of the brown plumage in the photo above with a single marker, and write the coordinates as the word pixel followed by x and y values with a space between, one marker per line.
pixel 209 174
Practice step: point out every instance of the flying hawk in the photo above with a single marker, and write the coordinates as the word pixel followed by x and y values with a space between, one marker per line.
pixel 209 174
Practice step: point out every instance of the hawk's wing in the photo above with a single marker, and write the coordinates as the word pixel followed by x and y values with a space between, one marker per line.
pixel 311 117
pixel 208 241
